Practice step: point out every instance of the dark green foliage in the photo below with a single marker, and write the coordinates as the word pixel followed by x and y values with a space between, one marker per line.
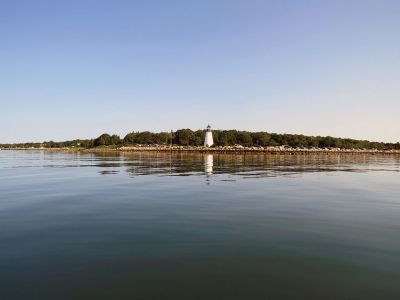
pixel 103 140
pixel 244 138
pixel 147 137
pixel 226 137
pixel 261 138
pixel 199 136
pixel 115 139
pixel 187 137
pixel 184 137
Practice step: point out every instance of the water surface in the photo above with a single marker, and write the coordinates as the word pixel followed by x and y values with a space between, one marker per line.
pixel 194 226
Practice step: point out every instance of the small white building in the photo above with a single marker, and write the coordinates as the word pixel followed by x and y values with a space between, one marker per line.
pixel 208 140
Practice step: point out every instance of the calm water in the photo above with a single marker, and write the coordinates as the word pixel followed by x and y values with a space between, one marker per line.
pixel 156 226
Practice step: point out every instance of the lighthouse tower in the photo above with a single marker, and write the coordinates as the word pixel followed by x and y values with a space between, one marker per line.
pixel 208 141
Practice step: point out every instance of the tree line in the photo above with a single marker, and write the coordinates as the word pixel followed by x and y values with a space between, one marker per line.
pixel 188 137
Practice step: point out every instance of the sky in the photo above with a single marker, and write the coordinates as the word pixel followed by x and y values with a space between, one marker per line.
pixel 76 69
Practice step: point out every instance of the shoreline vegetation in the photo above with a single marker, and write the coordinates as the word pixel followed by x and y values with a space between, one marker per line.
pixel 225 141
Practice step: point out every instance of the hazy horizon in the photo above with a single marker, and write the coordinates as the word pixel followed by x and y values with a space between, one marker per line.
pixel 78 69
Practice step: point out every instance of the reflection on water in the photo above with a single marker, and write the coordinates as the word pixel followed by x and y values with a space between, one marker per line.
pixel 146 226
pixel 185 164
pixel 208 164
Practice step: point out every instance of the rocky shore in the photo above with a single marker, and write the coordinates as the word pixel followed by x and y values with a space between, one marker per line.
pixel 270 150
pixel 221 150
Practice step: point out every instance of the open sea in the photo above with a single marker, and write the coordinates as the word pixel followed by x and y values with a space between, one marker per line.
pixel 198 226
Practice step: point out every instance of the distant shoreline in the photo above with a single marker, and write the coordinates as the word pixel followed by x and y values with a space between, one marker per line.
pixel 220 150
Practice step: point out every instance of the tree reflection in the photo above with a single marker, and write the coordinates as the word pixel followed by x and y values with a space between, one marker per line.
pixel 245 165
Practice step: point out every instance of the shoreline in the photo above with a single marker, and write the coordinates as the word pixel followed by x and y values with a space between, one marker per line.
pixel 225 150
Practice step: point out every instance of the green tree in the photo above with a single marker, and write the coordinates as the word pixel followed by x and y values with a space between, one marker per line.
pixel 103 140
pixel 130 139
pixel 144 137
pixel 261 138
pixel 184 137
pixel 115 139
pixel 244 138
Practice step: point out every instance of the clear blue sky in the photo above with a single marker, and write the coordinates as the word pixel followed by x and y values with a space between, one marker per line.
pixel 75 69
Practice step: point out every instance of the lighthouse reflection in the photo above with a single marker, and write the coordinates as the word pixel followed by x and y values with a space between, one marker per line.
pixel 208 164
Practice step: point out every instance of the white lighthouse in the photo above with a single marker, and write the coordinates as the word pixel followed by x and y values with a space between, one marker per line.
pixel 208 140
